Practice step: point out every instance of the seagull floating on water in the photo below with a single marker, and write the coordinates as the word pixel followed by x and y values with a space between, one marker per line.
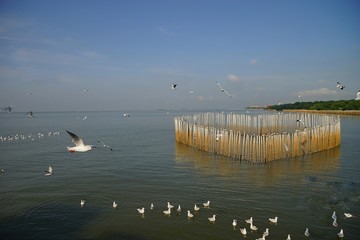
pixel 266 233
pixel 234 223
pixel 306 233
pixel 169 206
pixel 105 146
pixel 243 231
pixel 250 220
pixel 333 216
pixel 189 214
pixel 223 90
pixel 196 208
pixel 339 85
pixel 49 171
pixel 348 215
pixel 253 227
pixel 335 224
pixel 341 234
pixel 82 202
pixel 288 237
pixel 173 86
pixel 273 220
pixel 141 210
pixel 167 212
pixel 178 209
pixel 114 204
pixel 79 144
pixel 207 204
pixel 151 206
pixel 212 219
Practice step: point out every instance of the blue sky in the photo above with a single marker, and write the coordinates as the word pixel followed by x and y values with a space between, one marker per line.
pixel 128 53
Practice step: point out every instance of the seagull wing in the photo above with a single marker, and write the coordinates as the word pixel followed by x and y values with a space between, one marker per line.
pixel 220 86
pixel 227 93
pixel 75 138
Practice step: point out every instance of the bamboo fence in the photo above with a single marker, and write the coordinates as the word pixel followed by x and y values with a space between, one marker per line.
pixel 260 138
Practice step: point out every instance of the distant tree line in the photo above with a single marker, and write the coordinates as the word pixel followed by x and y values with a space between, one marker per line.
pixel 320 105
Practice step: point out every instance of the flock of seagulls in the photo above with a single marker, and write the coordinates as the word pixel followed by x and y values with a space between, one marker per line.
pixel 30 136
pixel 212 219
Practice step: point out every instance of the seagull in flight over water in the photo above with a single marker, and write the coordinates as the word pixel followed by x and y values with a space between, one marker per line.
pixel 223 90
pixel 104 145
pixel 49 171
pixel 79 144
pixel 173 86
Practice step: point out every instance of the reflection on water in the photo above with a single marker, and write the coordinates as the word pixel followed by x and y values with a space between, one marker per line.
pixel 208 163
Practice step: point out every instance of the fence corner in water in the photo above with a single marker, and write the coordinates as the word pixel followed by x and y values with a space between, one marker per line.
pixel 259 138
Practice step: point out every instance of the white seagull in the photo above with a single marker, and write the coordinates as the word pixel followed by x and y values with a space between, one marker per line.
pixel 333 216
pixel 288 237
pixel 167 212
pixel 253 227
pixel 335 224
pixel 223 90
pixel 339 85
pixel 82 203
pixel 79 144
pixel 151 206
pixel 179 209
pixel 30 114
pixel 243 231
pixel 189 214
pixel 358 95
pixel 348 215
pixel 105 146
pixel 273 220
pixel 141 210
pixel 114 204
pixel 207 204
pixel 169 206
pixel 250 220
pixel 173 86
pixel 49 171
pixel 196 208
pixel 307 232
pixel 212 219
pixel 266 233
pixel 234 223
pixel 341 234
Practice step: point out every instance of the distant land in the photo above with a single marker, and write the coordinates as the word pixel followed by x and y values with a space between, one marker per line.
pixel 345 107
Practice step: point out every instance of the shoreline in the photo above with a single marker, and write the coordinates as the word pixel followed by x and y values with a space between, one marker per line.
pixel 334 112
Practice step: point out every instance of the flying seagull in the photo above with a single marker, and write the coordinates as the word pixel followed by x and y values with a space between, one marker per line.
pixel 30 114
pixel 79 144
pixel 49 171
pixel 104 145
pixel 339 85
pixel 173 86
pixel 223 90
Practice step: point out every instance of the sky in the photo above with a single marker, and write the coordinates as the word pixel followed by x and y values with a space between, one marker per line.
pixel 125 55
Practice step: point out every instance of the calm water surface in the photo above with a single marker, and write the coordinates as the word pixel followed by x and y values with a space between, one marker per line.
pixel 148 166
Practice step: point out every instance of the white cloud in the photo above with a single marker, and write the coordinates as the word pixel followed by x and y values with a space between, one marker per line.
pixel 233 78
pixel 253 61
pixel 317 92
